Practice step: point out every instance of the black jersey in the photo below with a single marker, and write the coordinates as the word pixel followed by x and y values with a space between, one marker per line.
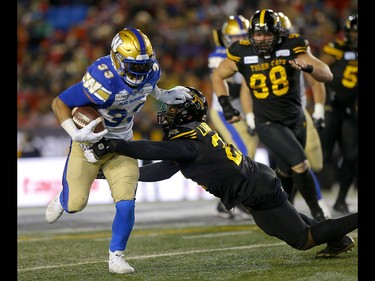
pixel 202 156
pixel 274 84
pixel 342 90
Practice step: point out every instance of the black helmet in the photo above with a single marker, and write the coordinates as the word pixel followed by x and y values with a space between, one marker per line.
pixel 191 110
pixel 351 24
pixel 265 21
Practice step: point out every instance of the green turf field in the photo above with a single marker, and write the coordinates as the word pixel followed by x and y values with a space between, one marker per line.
pixel 233 252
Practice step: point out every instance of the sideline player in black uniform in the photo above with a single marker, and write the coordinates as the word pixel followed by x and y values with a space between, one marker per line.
pixel 341 108
pixel 233 29
pixel 270 62
pixel 192 147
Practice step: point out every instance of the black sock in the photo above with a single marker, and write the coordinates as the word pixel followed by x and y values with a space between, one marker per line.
pixel 306 186
pixel 346 178
pixel 287 182
pixel 333 229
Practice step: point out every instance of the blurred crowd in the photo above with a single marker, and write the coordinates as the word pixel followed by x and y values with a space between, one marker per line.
pixel 58 39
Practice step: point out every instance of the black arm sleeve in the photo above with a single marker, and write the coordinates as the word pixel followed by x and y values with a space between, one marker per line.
pixel 158 171
pixel 156 150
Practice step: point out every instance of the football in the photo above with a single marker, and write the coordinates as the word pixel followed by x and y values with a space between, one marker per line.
pixel 85 114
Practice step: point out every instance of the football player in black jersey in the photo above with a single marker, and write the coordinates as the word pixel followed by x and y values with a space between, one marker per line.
pixel 192 147
pixel 341 108
pixel 271 62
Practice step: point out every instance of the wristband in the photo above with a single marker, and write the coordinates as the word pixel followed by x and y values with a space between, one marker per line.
pixel 309 68
pixel 224 101
pixel 69 127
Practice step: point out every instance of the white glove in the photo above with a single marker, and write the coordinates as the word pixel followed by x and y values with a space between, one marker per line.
pixel 86 134
pixel 176 95
pixel 89 153
pixel 318 111
pixel 318 115
pixel 250 123
pixel 90 156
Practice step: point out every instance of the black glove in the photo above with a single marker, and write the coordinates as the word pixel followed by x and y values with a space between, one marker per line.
pixel 251 131
pixel 101 147
pixel 319 123
pixel 228 110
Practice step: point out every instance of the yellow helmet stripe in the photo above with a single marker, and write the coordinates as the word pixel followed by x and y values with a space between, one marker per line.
pixel 261 17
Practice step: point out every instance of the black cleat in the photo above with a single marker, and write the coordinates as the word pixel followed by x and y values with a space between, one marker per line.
pixel 341 208
pixel 243 212
pixel 223 212
pixel 344 245
pixel 319 216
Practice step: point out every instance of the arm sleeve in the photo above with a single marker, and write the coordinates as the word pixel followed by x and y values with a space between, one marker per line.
pixel 178 150
pixel 158 171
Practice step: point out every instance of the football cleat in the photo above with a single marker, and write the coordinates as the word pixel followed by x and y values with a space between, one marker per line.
pixel 344 245
pixel 243 212
pixel 54 210
pixel 319 215
pixel 341 208
pixel 117 263
pixel 223 212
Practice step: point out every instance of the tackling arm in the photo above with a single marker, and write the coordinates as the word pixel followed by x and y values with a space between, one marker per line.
pixel 182 150
pixel 158 171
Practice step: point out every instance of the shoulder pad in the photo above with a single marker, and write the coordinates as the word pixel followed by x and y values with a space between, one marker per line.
pixel 100 79
pixel 244 42
pixel 186 131
pixel 293 35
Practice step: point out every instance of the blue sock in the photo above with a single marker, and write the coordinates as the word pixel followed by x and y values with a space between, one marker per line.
pixel 122 225
pixel 317 185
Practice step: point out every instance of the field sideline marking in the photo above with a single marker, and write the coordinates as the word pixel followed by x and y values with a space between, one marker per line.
pixel 227 233
pixel 157 256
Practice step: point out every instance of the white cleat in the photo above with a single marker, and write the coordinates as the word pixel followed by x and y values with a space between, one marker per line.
pixel 117 263
pixel 54 210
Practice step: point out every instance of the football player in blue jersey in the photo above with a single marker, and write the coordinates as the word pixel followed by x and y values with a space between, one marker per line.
pixel 341 109
pixel 118 85
pixel 233 29
pixel 271 63
pixel 200 154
